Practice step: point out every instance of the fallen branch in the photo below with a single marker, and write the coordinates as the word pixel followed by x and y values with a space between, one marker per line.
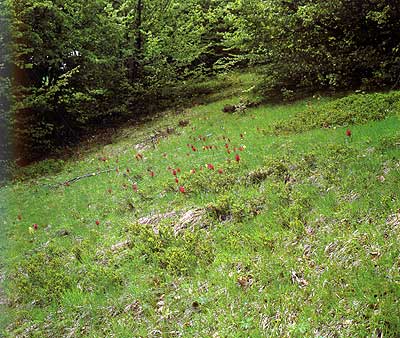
pixel 75 179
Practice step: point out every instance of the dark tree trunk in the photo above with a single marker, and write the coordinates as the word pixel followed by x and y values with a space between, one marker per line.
pixel 133 63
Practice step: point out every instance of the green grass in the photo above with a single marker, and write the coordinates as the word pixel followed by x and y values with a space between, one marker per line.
pixel 299 238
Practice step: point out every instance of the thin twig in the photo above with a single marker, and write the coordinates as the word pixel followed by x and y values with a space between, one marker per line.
pixel 75 179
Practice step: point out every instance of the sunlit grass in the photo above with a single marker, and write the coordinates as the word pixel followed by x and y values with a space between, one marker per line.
pixel 309 249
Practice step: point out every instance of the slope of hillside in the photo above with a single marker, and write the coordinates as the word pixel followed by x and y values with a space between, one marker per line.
pixel 278 220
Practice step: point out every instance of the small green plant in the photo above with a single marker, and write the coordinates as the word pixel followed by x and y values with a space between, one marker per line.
pixel 352 109
pixel 177 253
pixel 42 168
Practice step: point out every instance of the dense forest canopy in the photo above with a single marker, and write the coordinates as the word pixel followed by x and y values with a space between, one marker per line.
pixel 77 63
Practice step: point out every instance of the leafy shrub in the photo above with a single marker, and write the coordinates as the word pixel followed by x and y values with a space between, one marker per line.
pixel 43 276
pixel 46 274
pixel 213 181
pixel 233 206
pixel 390 142
pixel 45 167
pixel 179 253
pixel 312 45
pixel 352 109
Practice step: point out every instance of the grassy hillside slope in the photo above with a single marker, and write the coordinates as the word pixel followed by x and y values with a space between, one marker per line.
pixel 284 221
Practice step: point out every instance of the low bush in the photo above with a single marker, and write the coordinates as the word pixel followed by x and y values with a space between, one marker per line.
pixel 352 109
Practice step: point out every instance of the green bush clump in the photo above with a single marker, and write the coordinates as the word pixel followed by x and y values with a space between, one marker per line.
pixel 233 206
pixel 352 109
pixel 212 180
pixel 176 253
pixel 390 142
pixel 43 276
pixel 45 167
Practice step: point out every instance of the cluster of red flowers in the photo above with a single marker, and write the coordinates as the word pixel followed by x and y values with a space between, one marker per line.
pixel 176 171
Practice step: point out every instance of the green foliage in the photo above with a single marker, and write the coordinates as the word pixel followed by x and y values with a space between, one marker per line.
pixel 43 276
pixel 352 109
pixel 301 238
pixel 50 272
pixel 390 142
pixel 212 180
pixel 176 253
pixel 42 168
pixel 230 206
pixel 307 46
pixel 78 65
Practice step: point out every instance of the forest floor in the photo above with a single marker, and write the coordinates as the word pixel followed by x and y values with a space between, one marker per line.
pixel 273 221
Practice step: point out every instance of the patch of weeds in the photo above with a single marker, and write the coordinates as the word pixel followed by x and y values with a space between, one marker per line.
pixel 176 253
pixel 234 206
pixel 352 109
pixel 389 142
pixel 42 276
pixel 39 169
pixel 293 205
pixel 220 179
pixel 278 169
pixel 284 170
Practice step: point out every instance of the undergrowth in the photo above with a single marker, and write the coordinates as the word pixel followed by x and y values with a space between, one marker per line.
pixel 349 110
pixel 218 229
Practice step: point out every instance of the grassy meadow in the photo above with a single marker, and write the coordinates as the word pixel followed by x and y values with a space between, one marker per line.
pixel 279 220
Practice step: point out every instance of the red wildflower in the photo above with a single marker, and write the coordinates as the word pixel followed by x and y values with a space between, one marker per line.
pixel 97 222
pixel 210 166
pixel 241 148
pixel 226 145
pixel 237 158
pixel 151 173
pixel 194 148
pixel 220 171
pixel 228 151
pixel 348 132
pixel 176 180
pixel 182 189
pixel 35 226
pixel 134 187
pixel 174 172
